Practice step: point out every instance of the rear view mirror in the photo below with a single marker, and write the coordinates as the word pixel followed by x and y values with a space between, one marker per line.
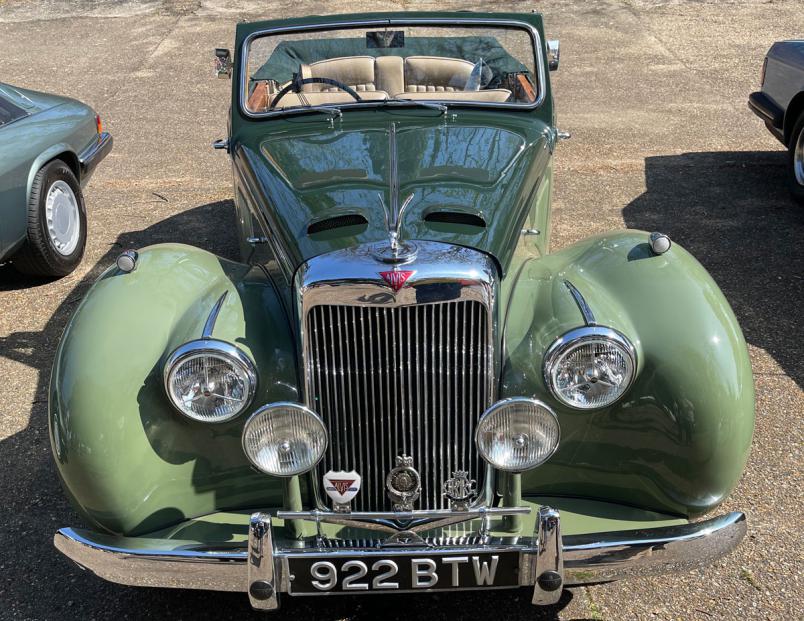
pixel 552 54
pixel 223 62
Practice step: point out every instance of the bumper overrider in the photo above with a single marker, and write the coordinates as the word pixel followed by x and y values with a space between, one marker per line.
pixel 269 564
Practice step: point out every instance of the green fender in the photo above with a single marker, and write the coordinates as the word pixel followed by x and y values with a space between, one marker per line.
pixel 128 460
pixel 678 440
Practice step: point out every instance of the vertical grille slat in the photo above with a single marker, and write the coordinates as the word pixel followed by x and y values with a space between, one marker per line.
pixel 410 379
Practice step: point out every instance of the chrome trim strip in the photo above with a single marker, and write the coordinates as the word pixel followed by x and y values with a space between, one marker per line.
pixel 587 559
pixel 396 521
pixel 209 326
pixel 583 306
pixel 398 21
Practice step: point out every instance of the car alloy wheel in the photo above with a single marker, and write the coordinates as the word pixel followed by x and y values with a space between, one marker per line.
pixel 63 219
pixel 798 159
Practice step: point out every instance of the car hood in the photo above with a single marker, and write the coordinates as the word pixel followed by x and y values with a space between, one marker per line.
pixel 31 101
pixel 321 186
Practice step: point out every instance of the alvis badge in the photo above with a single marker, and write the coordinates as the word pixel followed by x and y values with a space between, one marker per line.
pixel 342 487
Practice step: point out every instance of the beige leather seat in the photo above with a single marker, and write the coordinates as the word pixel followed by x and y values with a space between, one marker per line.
pixel 357 72
pixel 415 77
pixel 433 74
pixel 434 77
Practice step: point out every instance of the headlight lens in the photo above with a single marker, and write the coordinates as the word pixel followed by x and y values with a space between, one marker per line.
pixel 284 439
pixel 590 367
pixel 517 434
pixel 210 381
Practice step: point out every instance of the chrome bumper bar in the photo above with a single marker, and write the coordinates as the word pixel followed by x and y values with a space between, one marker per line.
pixel 547 561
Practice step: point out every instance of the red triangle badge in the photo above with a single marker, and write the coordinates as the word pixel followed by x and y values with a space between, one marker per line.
pixel 342 485
pixel 397 278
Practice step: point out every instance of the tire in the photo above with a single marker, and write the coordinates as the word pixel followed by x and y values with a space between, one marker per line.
pixel 795 161
pixel 57 224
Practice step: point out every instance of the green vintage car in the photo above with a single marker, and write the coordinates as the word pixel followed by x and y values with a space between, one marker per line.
pixel 49 147
pixel 398 388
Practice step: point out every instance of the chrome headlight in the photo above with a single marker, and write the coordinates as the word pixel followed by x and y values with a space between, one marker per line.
pixel 517 434
pixel 590 367
pixel 210 381
pixel 284 439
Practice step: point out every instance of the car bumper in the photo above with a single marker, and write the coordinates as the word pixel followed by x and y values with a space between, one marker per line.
pixel 261 566
pixel 90 157
pixel 767 109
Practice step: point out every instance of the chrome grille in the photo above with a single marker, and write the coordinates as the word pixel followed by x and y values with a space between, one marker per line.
pixel 400 380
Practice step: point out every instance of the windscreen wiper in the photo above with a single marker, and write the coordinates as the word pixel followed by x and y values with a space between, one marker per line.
pixel 332 111
pixel 442 108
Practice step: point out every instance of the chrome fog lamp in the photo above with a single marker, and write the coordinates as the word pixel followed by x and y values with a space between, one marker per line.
pixel 210 381
pixel 517 434
pixel 590 367
pixel 284 439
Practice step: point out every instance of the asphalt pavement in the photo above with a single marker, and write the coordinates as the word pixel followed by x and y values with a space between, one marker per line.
pixel 654 93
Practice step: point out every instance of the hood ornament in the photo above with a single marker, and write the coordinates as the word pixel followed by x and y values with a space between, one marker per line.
pixel 397 251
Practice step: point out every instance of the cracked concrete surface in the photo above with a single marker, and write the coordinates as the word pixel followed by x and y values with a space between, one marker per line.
pixel 654 93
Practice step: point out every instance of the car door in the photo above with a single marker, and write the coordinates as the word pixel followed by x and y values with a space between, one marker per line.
pixel 13 173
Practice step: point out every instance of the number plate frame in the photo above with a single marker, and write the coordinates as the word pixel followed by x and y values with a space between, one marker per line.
pixel 448 565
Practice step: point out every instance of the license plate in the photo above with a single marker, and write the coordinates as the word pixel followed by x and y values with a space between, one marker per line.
pixel 403 572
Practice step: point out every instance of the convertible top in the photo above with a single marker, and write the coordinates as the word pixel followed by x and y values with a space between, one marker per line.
pixel 288 55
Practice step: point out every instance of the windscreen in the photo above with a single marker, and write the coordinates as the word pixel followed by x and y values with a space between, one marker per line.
pixel 354 66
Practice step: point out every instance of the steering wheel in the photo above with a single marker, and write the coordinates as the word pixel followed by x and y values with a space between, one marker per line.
pixel 298 82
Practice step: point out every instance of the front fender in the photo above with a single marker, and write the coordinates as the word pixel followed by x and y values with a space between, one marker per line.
pixel 128 460
pixel 678 440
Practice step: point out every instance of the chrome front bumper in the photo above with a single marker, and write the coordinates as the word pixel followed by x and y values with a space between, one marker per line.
pixel 547 562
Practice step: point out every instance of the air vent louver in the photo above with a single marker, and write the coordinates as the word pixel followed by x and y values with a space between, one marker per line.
pixel 336 222
pixel 456 217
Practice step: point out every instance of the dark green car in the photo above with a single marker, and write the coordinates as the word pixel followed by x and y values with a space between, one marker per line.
pixel 49 147
pixel 399 388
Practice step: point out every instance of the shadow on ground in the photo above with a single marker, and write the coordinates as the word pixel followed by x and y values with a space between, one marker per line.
pixel 732 211
pixel 36 506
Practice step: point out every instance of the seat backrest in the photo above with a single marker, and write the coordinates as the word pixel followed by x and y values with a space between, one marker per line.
pixel 390 74
pixel 356 72
pixel 435 74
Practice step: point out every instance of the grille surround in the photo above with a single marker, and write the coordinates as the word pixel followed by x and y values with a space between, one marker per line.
pixel 441 275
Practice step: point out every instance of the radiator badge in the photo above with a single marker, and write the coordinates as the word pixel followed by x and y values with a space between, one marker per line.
pixel 403 484
pixel 342 487
pixel 460 490
pixel 396 278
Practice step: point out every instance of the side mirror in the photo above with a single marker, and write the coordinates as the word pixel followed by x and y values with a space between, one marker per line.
pixel 223 62
pixel 553 54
